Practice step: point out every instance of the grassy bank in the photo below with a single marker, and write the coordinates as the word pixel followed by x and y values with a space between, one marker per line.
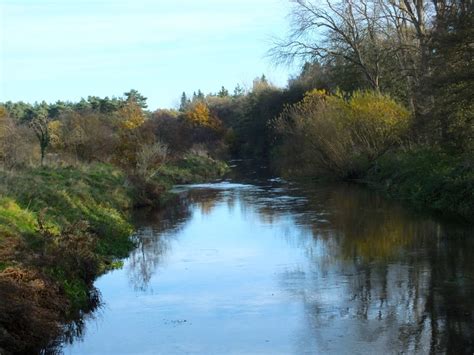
pixel 427 179
pixel 62 227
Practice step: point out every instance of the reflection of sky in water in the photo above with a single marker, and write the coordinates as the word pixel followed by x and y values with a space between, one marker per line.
pixel 244 269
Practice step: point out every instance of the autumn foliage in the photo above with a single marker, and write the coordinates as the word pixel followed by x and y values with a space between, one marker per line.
pixel 200 115
pixel 330 134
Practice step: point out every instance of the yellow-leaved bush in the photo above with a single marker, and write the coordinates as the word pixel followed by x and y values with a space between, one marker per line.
pixel 376 122
pixel 334 135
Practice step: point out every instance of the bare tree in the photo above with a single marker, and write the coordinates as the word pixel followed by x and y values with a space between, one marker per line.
pixel 376 36
pixel 347 29
pixel 410 24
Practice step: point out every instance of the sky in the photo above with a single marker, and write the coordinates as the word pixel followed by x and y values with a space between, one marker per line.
pixel 64 50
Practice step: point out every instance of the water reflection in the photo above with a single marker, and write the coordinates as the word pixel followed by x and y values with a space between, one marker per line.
pixel 293 269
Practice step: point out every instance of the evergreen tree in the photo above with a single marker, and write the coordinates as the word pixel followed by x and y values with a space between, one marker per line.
pixel 184 103
pixel 200 95
pixel 135 97
pixel 223 92
pixel 238 90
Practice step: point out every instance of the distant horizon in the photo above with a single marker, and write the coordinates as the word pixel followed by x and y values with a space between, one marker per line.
pixel 189 95
pixel 57 51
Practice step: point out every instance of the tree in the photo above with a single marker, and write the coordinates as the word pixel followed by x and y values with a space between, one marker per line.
pixel 452 74
pixel 238 91
pixel 18 110
pixel 184 102
pixel 40 125
pixel 200 96
pixel 149 157
pixel 387 41
pixel 260 83
pixel 55 110
pixel 131 118
pixel 223 92
pixel 6 131
pixel 408 30
pixel 199 115
pixel 348 30
pixel 135 97
pixel 88 136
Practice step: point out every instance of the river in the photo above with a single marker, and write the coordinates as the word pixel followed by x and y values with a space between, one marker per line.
pixel 263 266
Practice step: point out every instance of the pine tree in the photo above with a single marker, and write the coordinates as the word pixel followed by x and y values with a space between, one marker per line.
pixel 184 103
pixel 223 92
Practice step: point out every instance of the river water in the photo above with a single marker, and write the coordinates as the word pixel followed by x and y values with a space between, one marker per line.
pixel 262 266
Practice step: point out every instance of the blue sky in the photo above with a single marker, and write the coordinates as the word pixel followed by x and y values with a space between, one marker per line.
pixel 61 49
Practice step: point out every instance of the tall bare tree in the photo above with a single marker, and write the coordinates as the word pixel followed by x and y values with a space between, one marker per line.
pixel 376 36
pixel 326 30
pixel 410 22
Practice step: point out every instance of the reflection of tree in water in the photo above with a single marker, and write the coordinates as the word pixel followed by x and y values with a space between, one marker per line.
pixel 406 282
pixel 378 274
pixel 155 239
pixel 75 328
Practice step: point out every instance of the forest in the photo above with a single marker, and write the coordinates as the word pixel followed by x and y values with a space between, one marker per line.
pixel 384 98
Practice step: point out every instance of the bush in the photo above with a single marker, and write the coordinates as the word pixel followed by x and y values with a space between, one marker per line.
pixel 17 144
pixel 149 158
pixel 30 311
pixel 333 136
pixel 376 123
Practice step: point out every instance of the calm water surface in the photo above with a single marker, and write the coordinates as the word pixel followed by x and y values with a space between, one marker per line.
pixel 268 267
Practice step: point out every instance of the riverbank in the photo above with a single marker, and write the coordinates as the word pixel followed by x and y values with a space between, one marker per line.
pixel 427 179
pixel 61 227
pixel 423 179
pixel 250 265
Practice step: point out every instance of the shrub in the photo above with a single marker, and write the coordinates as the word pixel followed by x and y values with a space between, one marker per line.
pixel 336 136
pixel 149 158
pixel 17 144
pixel 376 122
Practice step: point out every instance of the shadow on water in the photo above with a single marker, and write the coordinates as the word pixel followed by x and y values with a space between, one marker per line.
pixel 372 277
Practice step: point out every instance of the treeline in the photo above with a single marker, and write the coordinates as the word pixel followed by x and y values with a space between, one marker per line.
pixel 382 81
pixel 385 96
pixel 119 131
pixel 390 75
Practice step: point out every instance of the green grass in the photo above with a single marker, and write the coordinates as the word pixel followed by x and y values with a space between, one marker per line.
pixel 14 219
pixel 190 169
pixel 75 289
pixel 95 193
pixel 99 194
pixel 428 179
